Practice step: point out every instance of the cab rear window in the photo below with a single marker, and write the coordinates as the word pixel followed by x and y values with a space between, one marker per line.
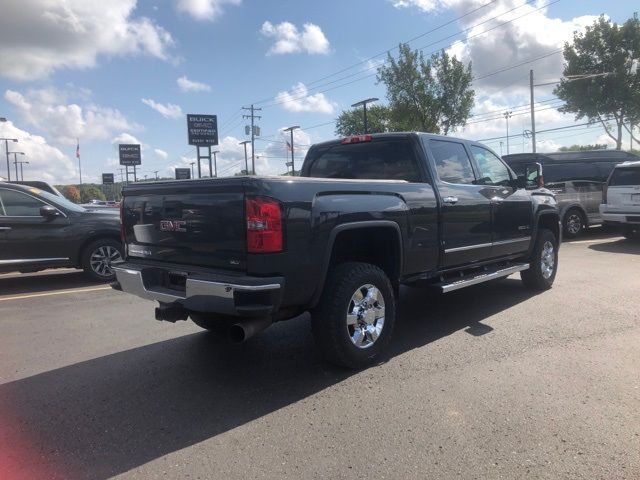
pixel 625 176
pixel 377 160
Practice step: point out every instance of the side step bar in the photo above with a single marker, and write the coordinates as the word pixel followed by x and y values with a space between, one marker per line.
pixel 485 276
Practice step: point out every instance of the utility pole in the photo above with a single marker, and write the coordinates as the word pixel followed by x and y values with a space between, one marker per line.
pixel 246 161
pixel 364 105
pixel 533 115
pixel 156 172
pixel 215 163
pixel 507 116
pixel 192 164
pixel 121 175
pixel 293 165
pixel 6 148
pixel 252 109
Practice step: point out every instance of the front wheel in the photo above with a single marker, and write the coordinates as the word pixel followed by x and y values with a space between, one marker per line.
pixel 98 259
pixel 543 263
pixel 354 319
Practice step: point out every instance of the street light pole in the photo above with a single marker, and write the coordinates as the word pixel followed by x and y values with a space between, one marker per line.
pixel 21 171
pixel 507 115
pixel 246 161
pixel 293 163
pixel 364 105
pixel 215 163
pixel 6 148
pixel 15 162
pixel 192 164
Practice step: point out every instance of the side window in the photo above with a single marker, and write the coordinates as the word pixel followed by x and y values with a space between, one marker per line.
pixel 452 162
pixel 492 170
pixel 18 204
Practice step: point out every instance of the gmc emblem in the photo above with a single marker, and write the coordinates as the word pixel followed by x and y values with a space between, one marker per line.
pixel 173 225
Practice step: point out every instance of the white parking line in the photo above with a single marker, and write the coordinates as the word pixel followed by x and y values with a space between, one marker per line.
pixel 601 240
pixel 62 292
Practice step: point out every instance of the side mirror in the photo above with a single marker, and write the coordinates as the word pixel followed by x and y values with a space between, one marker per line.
pixel 533 176
pixel 47 211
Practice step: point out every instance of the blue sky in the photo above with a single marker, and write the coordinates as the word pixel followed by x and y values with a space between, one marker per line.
pixel 108 72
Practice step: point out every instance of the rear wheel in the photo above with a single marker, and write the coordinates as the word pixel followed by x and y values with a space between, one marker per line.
pixel 573 223
pixel 354 319
pixel 99 257
pixel 631 232
pixel 543 263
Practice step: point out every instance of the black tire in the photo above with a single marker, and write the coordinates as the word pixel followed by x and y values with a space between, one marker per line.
pixel 329 320
pixel 101 248
pixel 573 223
pixel 218 324
pixel 537 277
pixel 631 232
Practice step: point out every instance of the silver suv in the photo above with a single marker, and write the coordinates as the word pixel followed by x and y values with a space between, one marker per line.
pixel 621 199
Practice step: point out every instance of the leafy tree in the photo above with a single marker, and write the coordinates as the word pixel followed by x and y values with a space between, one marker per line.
pixel 351 122
pixel 90 192
pixel 601 78
pixel 432 95
pixel 582 148
pixel 71 193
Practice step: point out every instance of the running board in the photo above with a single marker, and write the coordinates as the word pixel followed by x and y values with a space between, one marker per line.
pixel 485 276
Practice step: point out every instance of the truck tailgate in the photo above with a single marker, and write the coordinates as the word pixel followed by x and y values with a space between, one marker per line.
pixel 198 222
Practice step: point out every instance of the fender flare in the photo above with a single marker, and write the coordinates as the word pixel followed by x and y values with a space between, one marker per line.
pixel 331 241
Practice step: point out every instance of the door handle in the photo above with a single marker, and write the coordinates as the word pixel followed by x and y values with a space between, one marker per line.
pixel 450 200
pixel 5 229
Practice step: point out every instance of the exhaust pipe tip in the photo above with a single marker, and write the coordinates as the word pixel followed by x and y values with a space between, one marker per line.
pixel 244 330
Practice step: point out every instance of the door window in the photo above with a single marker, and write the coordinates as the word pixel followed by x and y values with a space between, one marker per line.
pixel 452 162
pixel 492 170
pixel 18 204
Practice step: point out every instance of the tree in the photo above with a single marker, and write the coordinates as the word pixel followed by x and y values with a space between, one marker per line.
pixel 71 193
pixel 89 192
pixel 582 148
pixel 601 78
pixel 351 122
pixel 433 95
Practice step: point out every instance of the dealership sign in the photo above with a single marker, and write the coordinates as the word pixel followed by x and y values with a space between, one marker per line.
pixel 107 178
pixel 129 154
pixel 202 130
pixel 183 174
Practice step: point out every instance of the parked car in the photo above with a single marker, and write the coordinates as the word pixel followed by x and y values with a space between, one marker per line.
pixel 621 200
pixel 577 179
pixel 367 214
pixel 39 230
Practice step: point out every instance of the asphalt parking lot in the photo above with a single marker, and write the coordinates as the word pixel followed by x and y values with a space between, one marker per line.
pixel 486 382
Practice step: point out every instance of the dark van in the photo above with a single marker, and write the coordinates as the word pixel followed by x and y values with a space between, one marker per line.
pixel 577 179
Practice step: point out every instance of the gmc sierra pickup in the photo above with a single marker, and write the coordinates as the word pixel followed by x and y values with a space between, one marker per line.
pixel 367 214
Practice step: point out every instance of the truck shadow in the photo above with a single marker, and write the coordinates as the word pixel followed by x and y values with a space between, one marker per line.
pixel 105 416
pixel 26 283
pixel 618 246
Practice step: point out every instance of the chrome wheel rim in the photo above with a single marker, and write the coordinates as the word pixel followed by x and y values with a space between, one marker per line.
pixel 548 260
pixel 365 316
pixel 574 223
pixel 102 259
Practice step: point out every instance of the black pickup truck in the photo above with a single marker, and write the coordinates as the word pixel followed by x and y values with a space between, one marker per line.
pixel 367 214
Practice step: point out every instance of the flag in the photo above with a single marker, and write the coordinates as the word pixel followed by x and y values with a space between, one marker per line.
pixel 78 149
pixel 288 146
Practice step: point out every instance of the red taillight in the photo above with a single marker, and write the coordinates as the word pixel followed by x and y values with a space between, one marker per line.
pixel 356 139
pixel 122 222
pixel 264 225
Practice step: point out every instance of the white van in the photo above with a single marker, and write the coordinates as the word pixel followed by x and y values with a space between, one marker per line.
pixel 621 199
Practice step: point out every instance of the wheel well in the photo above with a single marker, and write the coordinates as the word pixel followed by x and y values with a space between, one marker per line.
pixel 91 239
pixel 550 222
pixel 379 246
pixel 579 209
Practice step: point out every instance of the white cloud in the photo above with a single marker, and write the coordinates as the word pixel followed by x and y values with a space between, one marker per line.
pixel 298 100
pixel 168 110
pixel 425 5
pixel 54 112
pixel 288 39
pixel 187 85
pixel 126 138
pixel 204 9
pixel 161 153
pixel 38 37
pixel 45 161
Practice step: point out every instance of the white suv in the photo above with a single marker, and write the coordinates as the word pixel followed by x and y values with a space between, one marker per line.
pixel 621 199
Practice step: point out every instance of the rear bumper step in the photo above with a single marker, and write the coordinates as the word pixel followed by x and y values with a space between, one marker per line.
pixel 481 277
